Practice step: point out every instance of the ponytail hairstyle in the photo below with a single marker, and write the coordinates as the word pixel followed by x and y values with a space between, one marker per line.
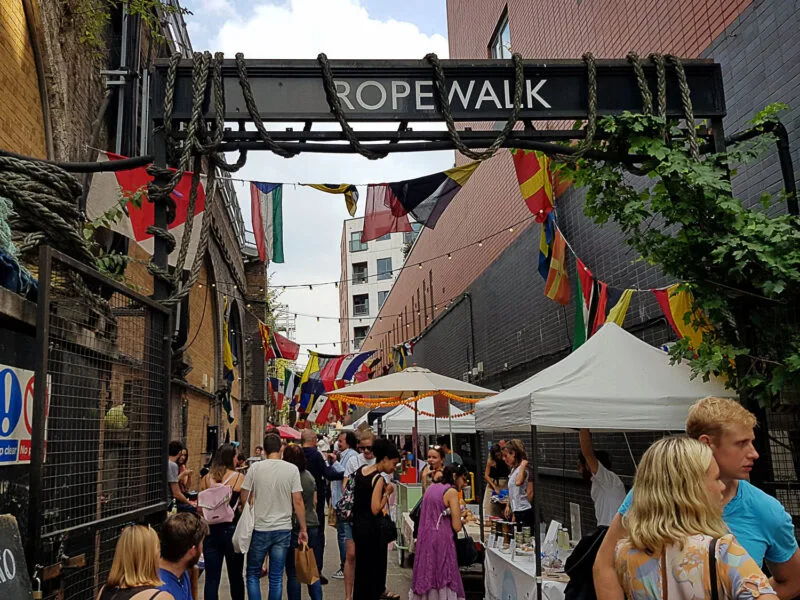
pixel 452 472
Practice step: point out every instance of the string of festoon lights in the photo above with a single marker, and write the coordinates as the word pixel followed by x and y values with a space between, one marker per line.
pixel 215 289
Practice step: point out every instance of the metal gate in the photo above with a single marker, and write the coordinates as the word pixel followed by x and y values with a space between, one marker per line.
pixel 99 457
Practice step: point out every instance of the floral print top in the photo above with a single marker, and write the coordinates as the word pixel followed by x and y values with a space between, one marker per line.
pixel 686 570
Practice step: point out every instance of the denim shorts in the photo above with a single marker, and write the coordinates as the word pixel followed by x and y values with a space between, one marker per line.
pixel 347 529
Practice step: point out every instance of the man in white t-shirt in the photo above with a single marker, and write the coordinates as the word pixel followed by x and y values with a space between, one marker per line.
pixel 275 486
pixel 608 491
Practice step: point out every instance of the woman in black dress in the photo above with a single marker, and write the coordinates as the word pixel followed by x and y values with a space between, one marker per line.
pixel 371 495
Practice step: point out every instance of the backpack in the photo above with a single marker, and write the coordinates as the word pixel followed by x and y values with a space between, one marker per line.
pixel 344 508
pixel 215 502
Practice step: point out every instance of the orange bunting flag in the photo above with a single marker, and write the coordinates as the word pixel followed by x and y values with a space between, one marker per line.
pixel 557 286
pixel 535 181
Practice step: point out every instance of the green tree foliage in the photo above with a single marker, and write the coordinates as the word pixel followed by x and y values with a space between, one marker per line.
pixel 741 263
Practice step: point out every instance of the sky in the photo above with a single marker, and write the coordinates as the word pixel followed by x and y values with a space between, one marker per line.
pixel 312 220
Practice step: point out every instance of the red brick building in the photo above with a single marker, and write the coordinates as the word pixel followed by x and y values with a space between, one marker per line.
pixel 500 328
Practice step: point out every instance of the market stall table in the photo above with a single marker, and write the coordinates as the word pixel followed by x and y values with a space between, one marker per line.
pixel 407 531
pixel 507 579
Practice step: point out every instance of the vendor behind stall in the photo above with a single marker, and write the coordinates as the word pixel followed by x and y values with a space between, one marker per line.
pixel 608 491
pixel 496 477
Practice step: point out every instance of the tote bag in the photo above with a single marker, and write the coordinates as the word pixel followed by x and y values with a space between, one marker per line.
pixel 305 565
pixel 244 530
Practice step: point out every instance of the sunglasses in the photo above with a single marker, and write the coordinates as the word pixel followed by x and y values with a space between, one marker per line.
pixel 365 448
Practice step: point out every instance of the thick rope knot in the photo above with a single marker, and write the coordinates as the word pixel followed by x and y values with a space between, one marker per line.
pixel 45 201
pixel 161 193
pixel 686 101
pixel 447 112
pixel 335 105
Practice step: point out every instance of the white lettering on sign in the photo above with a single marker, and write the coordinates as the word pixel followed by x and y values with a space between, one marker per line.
pixel 509 98
pixel 462 92
pixel 421 95
pixel 456 89
pixel 396 94
pixel 381 92
pixel 487 93
pixel 9 564
pixel 533 92
pixel 343 93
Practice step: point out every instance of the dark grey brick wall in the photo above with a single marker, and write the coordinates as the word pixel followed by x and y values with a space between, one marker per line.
pixel 518 331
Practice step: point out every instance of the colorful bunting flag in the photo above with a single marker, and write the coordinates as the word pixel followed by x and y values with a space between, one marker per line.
pixel 322 409
pixel 400 354
pixel 612 306
pixel 290 386
pixel 585 303
pixel 557 284
pixel 227 363
pixel 677 304
pixel 349 190
pixel 545 245
pixel 266 207
pixel 535 181
pixel 425 198
pixel 311 384
pixel 109 189
pixel 277 346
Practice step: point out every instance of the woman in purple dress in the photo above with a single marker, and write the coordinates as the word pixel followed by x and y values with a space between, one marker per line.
pixel 436 574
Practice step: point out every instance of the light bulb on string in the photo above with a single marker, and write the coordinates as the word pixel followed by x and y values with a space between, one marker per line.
pixel 449 256
pixel 420 265
pixel 480 244
pixel 511 229
pixel 311 287
pixel 317 319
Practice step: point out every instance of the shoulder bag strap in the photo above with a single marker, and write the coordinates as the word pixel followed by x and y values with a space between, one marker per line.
pixel 155 594
pixel 234 474
pixel 712 570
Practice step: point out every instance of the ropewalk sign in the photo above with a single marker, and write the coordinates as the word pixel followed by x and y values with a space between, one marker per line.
pixel 478 90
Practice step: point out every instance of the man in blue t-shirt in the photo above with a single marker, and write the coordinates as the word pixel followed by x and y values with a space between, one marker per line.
pixel 181 547
pixel 759 521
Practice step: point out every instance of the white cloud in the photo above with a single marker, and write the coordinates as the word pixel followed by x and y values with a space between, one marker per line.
pixel 343 29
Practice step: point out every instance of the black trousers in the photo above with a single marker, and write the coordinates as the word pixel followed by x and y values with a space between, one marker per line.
pixel 371 563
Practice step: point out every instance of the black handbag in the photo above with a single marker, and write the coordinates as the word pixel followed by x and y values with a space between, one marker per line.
pixel 415 515
pixel 388 530
pixel 466 552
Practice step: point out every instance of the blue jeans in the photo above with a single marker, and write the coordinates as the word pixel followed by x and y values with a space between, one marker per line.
pixel 344 532
pixel 276 545
pixel 218 546
pixel 292 585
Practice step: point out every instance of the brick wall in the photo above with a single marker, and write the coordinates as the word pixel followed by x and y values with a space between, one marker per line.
pixel 515 331
pixel 21 120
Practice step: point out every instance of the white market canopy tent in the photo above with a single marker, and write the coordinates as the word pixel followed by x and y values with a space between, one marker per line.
pixel 614 381
pixel 400 420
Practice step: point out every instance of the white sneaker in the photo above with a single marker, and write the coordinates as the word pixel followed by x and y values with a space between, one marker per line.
pixel 338 575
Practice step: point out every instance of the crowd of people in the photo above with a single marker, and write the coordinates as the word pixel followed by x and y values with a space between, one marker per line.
pixel 692 527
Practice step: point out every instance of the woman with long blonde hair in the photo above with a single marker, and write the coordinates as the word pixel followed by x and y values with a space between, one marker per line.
pixel 677 538
pixel 134 572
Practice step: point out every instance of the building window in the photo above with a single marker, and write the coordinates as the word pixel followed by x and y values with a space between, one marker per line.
pixel 359 335
pixel 384 268
pixel 383 238
pixel 355 242
pixel 410 236
pixel 382 298
pixel 361 305
pixel 360 273
pixel 500 46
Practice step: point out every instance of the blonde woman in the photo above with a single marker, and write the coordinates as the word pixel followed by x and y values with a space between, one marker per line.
pixel 675 525
pixel 520 485
pixel 134 572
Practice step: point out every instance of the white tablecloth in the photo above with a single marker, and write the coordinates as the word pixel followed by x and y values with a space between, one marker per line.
pixel 512 580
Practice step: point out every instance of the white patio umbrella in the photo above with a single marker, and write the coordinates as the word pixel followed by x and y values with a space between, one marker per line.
pixel 413 381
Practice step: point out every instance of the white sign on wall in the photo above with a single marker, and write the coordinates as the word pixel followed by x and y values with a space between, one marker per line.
pixel 16 415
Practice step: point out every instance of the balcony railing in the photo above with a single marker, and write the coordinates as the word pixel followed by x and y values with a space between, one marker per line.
pixel 357 246
pixel 361 310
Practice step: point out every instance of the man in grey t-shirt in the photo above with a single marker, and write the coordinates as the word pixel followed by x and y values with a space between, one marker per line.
pixel 184 504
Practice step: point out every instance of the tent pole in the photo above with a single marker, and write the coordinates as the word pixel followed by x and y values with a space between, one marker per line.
pixel 415 441
pixel 536 535
pixel 479 497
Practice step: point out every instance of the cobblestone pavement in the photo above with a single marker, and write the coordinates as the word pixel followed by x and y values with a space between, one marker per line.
pixel 398 579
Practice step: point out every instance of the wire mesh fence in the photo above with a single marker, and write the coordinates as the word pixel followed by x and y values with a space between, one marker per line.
pixel 107 420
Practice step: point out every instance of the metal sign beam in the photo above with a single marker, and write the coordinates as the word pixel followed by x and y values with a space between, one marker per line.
pixel 479 90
